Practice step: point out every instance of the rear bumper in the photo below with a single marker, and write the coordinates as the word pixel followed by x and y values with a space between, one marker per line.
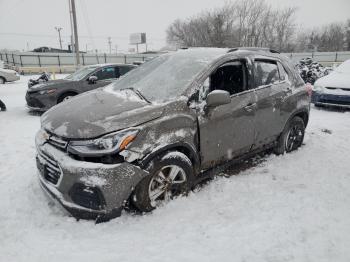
pixel 86 190
pixel 323 99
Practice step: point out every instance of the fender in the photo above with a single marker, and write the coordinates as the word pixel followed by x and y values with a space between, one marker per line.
pixel 183 147
pixel 302 112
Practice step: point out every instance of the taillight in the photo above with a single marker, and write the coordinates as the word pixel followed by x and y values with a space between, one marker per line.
pixel 308 87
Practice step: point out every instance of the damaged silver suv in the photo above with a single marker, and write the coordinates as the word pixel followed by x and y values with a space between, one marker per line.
pixel 166 125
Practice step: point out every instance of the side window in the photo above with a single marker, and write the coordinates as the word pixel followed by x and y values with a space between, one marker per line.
pixel 230 77
pixel 266 72
pixel 107 73
pixel 124 69
pixel 283 72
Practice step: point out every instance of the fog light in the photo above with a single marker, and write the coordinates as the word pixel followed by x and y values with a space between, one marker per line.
pixel 87 196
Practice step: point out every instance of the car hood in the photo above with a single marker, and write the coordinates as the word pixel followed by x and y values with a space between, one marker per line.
pixel 98 112
pixel 335 79
pixel 50 84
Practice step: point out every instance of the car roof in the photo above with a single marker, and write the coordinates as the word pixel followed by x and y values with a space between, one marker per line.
pixel 237 51
pixel 109 64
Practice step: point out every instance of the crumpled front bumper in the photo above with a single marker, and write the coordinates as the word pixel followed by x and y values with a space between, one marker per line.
pixel 38 102
pixel 86 190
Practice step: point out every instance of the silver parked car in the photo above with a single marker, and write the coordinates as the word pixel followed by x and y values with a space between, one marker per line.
pixel 7 75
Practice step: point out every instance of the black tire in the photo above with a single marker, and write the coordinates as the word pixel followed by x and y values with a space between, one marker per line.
pixel 292 136
pixel 65 96
pixel 141 198
pixel 2 80
pixel 2 106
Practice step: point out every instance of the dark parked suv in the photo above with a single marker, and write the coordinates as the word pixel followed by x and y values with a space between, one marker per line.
pixel 157 131
pixel 43 96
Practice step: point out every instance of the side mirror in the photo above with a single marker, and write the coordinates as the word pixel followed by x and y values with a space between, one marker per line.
pixel 218 98
pixel 92 79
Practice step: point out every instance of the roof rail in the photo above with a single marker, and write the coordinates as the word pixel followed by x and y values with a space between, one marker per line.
pixel 265 49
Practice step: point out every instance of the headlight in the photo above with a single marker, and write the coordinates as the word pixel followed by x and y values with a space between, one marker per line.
pixel 49 91
pixel 108 144
pixel 318 88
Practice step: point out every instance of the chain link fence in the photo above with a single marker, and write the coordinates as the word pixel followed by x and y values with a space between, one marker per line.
pixel 27 62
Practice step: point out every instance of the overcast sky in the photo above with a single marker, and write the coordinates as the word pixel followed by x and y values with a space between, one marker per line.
pixel 32 22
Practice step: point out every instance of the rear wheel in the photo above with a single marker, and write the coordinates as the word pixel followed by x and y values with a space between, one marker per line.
pixel 170 175
pixel 292 136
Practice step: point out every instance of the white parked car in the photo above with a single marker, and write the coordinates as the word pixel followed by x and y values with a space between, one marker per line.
pixel 7 75
pixel 333 89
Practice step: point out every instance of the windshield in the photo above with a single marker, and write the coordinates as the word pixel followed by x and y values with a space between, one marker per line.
pixel 168 76
pixel 344 67
pixel 81 73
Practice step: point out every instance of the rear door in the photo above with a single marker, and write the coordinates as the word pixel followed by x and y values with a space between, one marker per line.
pixel 227 131
pixel 270 90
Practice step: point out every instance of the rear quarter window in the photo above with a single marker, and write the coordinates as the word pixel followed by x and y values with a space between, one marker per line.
pixel 293 74
pixel 265 72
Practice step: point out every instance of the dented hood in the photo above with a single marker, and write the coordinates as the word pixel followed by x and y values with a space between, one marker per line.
pixel 96 113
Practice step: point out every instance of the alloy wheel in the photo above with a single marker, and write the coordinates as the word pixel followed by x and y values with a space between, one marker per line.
pixel 166 184
pixel 294 138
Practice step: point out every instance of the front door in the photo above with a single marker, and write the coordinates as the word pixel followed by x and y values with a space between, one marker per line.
pixel 227 131
pixel 104 76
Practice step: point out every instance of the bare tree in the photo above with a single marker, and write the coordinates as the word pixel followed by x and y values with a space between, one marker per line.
pixel 240 23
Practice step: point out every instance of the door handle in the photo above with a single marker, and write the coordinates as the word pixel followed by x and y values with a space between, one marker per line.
pixel 250 107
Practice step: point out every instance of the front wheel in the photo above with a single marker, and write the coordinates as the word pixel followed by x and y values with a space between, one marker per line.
pixel 170 175
pixel 66 97
pixel 2 80
pixel 292 136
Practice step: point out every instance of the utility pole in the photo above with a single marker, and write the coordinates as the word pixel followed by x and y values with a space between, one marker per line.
pixel 110 45
pixel 58 29
pixel 75 33
pixel 116 49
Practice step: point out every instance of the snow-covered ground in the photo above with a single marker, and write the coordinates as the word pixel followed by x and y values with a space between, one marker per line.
pixel 294 207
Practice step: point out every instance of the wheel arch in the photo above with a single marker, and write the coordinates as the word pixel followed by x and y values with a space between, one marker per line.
pixel 182 147
pixel 66 92
pixel 303 113
pixel 3 78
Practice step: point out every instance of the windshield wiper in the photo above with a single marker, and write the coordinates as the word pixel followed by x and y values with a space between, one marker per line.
pixel 137 92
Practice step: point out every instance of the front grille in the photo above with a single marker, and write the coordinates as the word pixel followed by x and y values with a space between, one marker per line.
pixel 48 168
pixel 57 142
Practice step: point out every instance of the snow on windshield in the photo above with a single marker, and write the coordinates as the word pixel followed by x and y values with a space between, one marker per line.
pixel 81 73
pixel 167 76
pixel 344 67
